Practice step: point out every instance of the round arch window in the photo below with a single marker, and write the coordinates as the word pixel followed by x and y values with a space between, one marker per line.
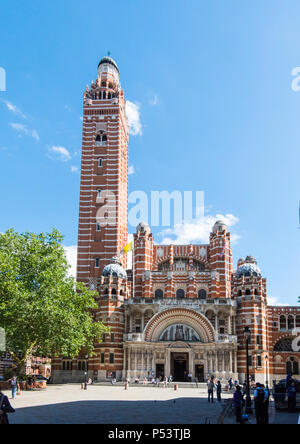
pixel 180 294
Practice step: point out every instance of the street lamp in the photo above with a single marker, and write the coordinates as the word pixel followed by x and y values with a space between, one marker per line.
pixel 267 373
pixel 86 372
pixel 247 335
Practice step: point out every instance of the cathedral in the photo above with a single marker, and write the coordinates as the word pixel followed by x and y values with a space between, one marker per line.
pixel 182 310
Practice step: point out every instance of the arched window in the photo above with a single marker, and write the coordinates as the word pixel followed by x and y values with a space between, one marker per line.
pixel 202 294
pixel 104 95
pixel 292 366
pixel 106 291
pixel 240 293
pixel 255 292
pixel 101 138
pixel 103 84
pixel 159 294
pixel 290 322
pixel 298 321
pixel 180 294
pixel 114 292
pixel 295 368
pixel 248 292
pixel 282 322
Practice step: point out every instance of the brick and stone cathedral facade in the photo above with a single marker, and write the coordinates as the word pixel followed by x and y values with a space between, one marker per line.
pixel 182 309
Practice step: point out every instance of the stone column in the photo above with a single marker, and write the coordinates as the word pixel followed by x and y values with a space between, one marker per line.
pixel 135 362
pixel 223 362
pixel 229 325
pixel 124 363
pixel 143 372
pixel 191 362
pixel 230 361
pixel 130 323
pixel 129 362
pixel 143 322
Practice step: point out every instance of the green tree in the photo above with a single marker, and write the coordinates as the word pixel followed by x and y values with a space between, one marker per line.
pixel 42 309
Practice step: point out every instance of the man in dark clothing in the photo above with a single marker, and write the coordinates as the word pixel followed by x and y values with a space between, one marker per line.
pixel 265 414
pixel 292 393
pixel 5 408
pixel 219 391
pixel 238 401
pixel 259 398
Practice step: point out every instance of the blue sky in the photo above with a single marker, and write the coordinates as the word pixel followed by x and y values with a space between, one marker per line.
pixel 212 84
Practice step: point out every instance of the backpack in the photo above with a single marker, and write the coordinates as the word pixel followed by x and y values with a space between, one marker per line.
pixel 260 396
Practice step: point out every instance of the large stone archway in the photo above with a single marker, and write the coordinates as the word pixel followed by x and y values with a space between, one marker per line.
pixel 166 318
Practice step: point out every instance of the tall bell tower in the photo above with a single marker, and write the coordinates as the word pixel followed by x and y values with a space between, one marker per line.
pixel 103 211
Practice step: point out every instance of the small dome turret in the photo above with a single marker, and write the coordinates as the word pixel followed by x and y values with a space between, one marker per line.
pixel 219 226
pixel 248 267
pixel 114 269
pixel 143 227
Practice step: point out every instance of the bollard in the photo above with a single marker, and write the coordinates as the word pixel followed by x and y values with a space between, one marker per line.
pixel 126 385
pixel 176 387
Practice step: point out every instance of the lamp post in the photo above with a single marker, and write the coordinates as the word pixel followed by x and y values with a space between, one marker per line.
pixel 247 335
pixel 86 372
pixel 267 372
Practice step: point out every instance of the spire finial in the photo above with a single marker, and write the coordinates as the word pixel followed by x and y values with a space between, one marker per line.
pixel 108 53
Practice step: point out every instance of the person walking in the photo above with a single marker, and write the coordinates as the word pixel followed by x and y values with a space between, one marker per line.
pixel 219 391
pixel 266 405
pixel 230 383
pixel 292 393
pixel 238 402
pixel 14 386
pixel 5 408
pixel 259 398
pixel 210 387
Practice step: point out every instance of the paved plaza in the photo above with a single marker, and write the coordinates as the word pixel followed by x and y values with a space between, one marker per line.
pixel 68 404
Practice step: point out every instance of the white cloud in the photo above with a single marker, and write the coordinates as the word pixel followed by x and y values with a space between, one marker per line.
pixel 153 101
pixel 197 230
pixel 13 108
pixel 71 253
pixel 134 120
pixel 74 169
pixel 62 153
pixel 131 170
pixel 20 128
pixel 35 135
pixel 273 301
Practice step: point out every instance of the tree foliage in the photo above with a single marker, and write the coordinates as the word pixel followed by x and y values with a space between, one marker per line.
pixel 42 309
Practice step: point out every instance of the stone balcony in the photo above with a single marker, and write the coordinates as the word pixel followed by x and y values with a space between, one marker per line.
pixel 226 338
pixel 136 337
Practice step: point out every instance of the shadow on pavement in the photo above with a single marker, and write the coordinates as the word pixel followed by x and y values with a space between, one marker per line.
pixel 178 411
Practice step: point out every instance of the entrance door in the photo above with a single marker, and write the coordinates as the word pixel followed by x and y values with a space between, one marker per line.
pixel 199 373
pixel 160 371
pixel 179 367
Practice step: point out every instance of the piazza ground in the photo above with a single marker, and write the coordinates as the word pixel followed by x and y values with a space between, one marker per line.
pixel 68 404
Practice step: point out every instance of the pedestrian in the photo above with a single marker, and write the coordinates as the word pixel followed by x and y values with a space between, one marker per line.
pixel 288 380
pixel 5 408
pixel 238 402
pixel 266 405
pixel 230 383
pixel 14 386
pixel 210 388
pixel 244 388
pixel 166 381
pixel 259 398
pixel 292 393
pixel 219 391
